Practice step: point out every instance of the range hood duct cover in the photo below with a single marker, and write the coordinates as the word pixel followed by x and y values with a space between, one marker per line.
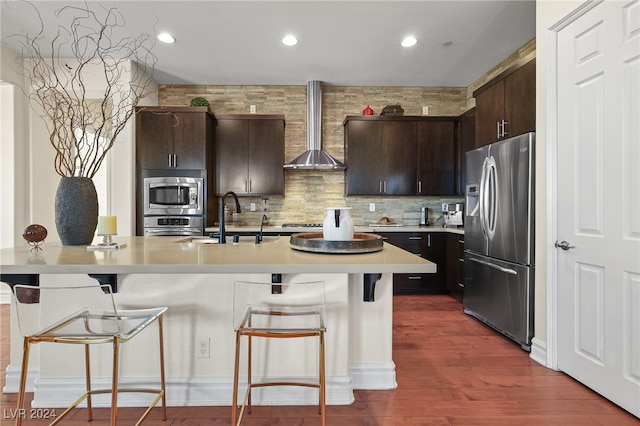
pixel 314 158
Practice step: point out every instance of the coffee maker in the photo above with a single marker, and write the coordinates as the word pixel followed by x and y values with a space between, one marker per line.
pixel 453 214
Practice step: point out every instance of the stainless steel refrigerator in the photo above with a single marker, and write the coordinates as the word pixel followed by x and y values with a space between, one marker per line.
pixel 499 237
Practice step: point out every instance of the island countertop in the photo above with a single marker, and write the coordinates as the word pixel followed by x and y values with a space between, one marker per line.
pixel 168 255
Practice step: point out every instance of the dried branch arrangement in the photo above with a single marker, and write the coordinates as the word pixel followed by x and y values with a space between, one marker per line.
pixel 83 126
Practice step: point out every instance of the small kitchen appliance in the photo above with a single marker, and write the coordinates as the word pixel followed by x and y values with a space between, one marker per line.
pixel 424 216
pixel 173 205
pixel 453 214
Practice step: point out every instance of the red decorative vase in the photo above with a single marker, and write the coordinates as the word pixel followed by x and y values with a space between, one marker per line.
pixel 367 111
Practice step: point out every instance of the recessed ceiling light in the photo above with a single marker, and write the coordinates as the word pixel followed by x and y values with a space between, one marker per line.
pixel 290 40
pixel 447 43
pixel 166 38
pixel 409 41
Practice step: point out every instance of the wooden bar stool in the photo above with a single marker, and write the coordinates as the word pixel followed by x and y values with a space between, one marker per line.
pixel 278 311
pixel 90 317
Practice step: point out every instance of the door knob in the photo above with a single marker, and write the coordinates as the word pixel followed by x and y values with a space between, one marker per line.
pixel 564 245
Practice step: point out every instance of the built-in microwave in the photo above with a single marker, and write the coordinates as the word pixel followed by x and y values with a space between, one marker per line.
pixel 173 195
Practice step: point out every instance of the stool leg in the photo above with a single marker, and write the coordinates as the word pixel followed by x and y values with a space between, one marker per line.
pixel 114 381
pixel 26 347
pixel 323 395
pixel 234 404
pixel 87 375
pixel 249 374
pixel 162 377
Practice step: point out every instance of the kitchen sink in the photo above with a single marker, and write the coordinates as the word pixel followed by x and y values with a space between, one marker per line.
pixel 244 239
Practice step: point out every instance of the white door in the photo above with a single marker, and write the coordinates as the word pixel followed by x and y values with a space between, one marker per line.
pixel 598 201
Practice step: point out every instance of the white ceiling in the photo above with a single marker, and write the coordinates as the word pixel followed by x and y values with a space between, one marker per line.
pixel 345 43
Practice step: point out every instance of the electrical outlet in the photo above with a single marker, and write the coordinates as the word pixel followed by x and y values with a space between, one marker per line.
pixel 203 348
pixel 253 207
pixel 372 207
pixel 252 109
pixel 425 110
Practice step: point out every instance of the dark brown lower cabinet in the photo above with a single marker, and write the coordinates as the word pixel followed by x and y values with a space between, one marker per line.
pixel 455 265
pixel 429 245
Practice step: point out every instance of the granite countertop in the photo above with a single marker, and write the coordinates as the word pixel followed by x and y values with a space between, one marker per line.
pixel 168 255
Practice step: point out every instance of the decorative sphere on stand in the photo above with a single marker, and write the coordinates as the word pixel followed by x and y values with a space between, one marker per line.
pixel 35 235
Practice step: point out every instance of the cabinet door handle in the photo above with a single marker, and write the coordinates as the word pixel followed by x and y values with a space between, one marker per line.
pixel 419 187
pixel 415 238
pixel 428 240
pixel 380 186
pixel 415 277
pixel 502 128
pixel 384 186
pixel 498 129
pixel 249 186
pixel 169 160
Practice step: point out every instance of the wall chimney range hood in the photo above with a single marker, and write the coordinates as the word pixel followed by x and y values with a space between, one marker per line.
pixel 314 158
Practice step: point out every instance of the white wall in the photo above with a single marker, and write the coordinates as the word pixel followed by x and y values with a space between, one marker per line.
pixel 14 152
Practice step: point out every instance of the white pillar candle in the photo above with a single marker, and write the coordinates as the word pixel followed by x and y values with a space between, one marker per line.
pixel 107 225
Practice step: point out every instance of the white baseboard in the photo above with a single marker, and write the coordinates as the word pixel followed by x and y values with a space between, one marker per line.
pixel 207 391
pixel 55 392
pixel 12 382
pixel 58 392
pixel 374 376
pixel 538 351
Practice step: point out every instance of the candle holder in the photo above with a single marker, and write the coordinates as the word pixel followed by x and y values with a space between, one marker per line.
pixel 107 228
pixel 107 240
pixel 106 244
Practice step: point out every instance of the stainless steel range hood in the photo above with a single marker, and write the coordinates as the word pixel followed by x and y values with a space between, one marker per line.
pixel 314 157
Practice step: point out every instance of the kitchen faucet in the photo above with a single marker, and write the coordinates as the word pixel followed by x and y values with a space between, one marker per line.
pixel 264 221
pixel 222 238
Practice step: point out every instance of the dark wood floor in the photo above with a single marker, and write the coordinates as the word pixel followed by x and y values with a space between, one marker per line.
pixel 451 370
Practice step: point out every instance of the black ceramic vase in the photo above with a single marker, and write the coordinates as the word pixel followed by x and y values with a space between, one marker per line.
pixel 76 211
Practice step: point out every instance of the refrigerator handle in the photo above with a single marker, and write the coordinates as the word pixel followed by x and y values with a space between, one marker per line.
pixel 482 198
pixel 494 266
pixel 492 183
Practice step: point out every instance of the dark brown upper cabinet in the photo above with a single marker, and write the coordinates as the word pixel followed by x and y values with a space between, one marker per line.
pixel 436 157
pixel 405 155
pixel 250 154
pixel 173 137
pixel 380 155
pixel 506 105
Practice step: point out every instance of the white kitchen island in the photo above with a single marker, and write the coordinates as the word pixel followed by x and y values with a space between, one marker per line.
pixel 195 281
